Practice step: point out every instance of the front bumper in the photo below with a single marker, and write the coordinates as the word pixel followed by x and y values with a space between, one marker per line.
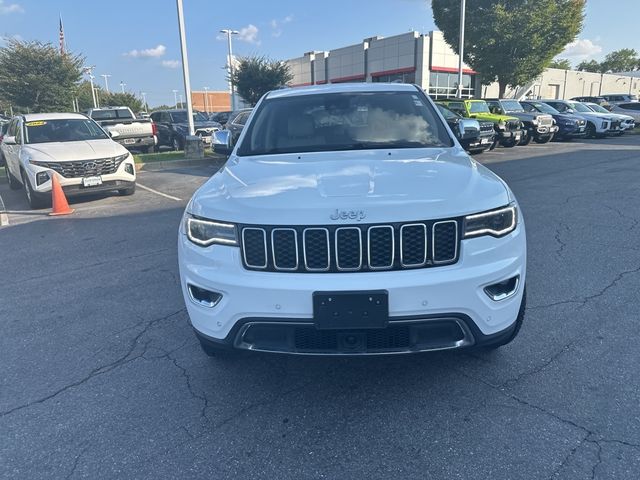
pixel 138 142
pixel 544 131
pixel 120 179
pixel 573 131
pixel 509 135
pixel 454 293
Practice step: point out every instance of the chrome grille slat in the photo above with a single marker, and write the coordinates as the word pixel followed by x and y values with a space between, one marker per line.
pixel 83 168
pixel 350 248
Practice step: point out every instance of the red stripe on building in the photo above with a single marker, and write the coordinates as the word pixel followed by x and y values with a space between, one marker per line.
pixel 301 84
pixel 347 79
pixel 452 70
pixel 393 72
pixel 321 82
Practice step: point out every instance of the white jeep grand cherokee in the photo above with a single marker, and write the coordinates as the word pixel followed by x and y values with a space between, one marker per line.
pixel 349 221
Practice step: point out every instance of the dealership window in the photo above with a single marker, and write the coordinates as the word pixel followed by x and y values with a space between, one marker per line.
pixel 445 85
pixel 406 77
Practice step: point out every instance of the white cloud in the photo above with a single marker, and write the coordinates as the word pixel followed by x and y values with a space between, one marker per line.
pixel 580 49
pixel 6 8
pixel 155 52
pixel 276 25
pixel 171 63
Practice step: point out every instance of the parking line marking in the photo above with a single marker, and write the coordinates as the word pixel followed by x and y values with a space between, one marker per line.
pixel 4 218
pixel 171 197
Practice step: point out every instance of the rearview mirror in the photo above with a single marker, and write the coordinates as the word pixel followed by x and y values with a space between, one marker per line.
pixel 113 134
pixel 221 142
pixel 9 140
pixel 468 128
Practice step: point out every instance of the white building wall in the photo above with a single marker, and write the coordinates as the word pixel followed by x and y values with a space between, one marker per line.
pixel 320 67
pixel 392 54
pixel 347 63
pixel 301 70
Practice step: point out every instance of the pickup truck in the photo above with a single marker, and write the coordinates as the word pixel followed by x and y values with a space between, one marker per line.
pixel 123 126
pixel 539 127
pixel 508 128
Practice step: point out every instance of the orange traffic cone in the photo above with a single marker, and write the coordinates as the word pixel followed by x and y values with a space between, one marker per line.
pixel 58 199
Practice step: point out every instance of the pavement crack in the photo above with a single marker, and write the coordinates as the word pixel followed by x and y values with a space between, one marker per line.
pixel 202 396
pixel 124 359
pixel 561 244
pixel 598 459
pixel 568 457
pixel 76 461
pixel 511 382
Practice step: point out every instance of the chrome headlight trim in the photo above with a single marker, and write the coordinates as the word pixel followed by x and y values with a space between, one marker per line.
pixel 205 233
pixel 480 223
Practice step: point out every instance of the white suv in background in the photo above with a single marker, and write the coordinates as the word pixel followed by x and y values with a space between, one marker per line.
pixel 349 221
pixel 86 159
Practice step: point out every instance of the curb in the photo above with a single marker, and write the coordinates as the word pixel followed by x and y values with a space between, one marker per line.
pixel 169 164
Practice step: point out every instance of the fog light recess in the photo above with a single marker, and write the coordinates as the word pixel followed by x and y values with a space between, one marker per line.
pixel 42 177
pixel 205 298
pixel 502 290
pixel 128 168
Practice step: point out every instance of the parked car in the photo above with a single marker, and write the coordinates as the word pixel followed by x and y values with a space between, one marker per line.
pixel 221 117
pixel 569 125
pixel 236 121
pixel 474 136
pixel 599 100
pixel 143 115
pixel 508 128
pixel 136 133
pixel 614 98
pixel 598 124
pixel 173 127
pixel 74 146
pixel 341 208
pixel 539 127
pixel 631 108
pixel 626 121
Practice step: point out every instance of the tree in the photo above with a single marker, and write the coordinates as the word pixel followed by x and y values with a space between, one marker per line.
pixel 623 60
pixel 510 41
pixel 561 63
pixel 590 66
pixel 34 76
pixel 123 100
pixel 255 76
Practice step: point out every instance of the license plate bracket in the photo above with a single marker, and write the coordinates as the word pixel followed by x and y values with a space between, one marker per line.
pixel 129 141
pixel 93 181
pixel 351 309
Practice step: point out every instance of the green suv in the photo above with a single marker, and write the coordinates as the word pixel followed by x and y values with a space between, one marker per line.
pixel 508 129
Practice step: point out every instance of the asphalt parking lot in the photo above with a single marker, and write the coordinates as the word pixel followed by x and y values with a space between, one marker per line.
pixel 101 375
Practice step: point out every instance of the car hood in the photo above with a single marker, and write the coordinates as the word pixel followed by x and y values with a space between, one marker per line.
pixel 387 185
pixel 197 125
pixel 592 115
pixel 64 151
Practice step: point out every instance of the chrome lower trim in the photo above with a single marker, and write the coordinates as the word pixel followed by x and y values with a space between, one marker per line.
pixel 467 340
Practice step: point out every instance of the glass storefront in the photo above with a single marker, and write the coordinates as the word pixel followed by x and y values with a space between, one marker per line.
pixel 445 85
pixel 406 77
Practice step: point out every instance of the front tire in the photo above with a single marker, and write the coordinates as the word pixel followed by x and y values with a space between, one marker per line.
pixel 35 201
pixel 526 140
pixel 591 130
pixel 543 140
pixel 510 143
pixel 11 180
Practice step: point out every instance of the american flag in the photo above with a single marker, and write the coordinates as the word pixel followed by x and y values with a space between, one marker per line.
pixel 62 48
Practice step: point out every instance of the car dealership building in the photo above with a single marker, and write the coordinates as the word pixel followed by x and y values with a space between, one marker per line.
pixel 427 61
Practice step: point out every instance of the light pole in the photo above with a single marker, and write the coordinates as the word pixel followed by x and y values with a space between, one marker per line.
pixel 106 81
pixel 181 101
pixel 185 67
pixel 89 71
pixel 230 32
pixel 461 48
pixel 144 101
pixel 175 98
pixel 122 85
pixel 206 99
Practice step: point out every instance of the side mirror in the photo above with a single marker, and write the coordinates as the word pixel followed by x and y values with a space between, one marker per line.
pixel 221 142
pixel 570 110
pixel 113 134
pixel 468 128
pixel 9 140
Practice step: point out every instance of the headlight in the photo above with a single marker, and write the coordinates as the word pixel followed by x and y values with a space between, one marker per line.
pixel 501 125
pixel 121 158
pixel 207 232
pixel 496 223
pixel 534 122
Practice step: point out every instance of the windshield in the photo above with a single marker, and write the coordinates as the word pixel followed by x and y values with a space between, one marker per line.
pixel 111 114
pixel 597 108
pixel 446 113
pixel 579 107
pixel 343 121
pixel 478 107
pixel 512 106
pixel 181 117
pixel 543 107
pixel 62 130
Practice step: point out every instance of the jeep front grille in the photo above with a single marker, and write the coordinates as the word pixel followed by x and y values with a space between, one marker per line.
pixel 83 168
pixel 350 248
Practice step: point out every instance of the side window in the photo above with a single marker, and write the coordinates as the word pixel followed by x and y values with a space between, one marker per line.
pixel 527 107
pixel 154 117
pixel 165 117
pixel 242 118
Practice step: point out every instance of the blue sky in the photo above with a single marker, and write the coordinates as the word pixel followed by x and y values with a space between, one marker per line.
pixel 136 41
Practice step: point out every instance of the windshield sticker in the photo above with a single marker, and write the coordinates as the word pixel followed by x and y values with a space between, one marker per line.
pixel 39 123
